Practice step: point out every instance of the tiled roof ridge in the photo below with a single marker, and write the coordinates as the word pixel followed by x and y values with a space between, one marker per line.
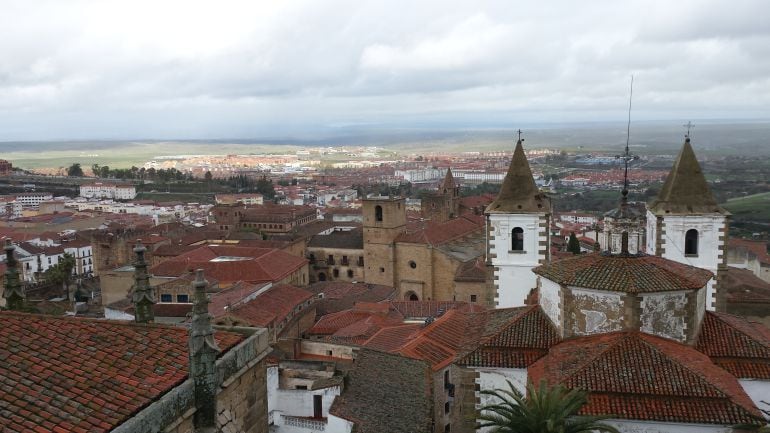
pixel 643 338
pixel 487 338
pixel 619 337
pixel 721 316
pixel 406 349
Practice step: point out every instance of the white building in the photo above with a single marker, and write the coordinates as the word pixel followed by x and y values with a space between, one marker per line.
pixel 518 237
pixel 108 190
pixel 32 200
pixel 10 207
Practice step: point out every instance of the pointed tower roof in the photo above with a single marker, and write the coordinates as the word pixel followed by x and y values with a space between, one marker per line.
pixel 519 193
pixel 449 180
pixel 686 190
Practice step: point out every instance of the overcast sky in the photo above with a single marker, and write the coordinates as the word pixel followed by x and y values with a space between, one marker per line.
pixel 246 69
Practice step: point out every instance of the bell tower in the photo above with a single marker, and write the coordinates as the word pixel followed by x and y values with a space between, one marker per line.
pixel 518 236
pixel 384 221
pixel 686 224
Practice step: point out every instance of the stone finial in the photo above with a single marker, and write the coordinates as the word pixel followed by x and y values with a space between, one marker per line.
pixel 142 297
pixel 203 356
pixel 13 292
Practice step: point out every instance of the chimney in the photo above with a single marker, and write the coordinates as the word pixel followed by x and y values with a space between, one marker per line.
pixel 203 355
pixel 142 297
pixel 13 292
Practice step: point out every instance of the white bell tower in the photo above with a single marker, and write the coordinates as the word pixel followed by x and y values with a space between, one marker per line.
pixel 518 236
pixel 685 223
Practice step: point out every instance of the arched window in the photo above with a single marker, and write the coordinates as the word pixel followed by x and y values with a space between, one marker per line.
pixel 412 296
pixel 517 239
pixel 378 213
pixel 691 243
pixel 321 276
pixel 624 242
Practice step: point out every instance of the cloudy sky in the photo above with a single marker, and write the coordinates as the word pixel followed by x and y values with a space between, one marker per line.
pixel 246 69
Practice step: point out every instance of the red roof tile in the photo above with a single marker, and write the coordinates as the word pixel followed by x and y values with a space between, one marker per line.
pixel 630 274
pixel 245 264
pixel 432 233
pixel 272 306
pixel 67 374
pixel 633 375
pixel 738 345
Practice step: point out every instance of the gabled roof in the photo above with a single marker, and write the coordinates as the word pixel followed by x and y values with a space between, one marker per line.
pixel 472 271
pixel 229 264
pixel 519 193
pixel 435 234
pixel 264 310
pixel 514 338
pixel 739 346
pixel 73 374
pixel 625 273
pixel 633 375
pixel 686 190
pixel 386 393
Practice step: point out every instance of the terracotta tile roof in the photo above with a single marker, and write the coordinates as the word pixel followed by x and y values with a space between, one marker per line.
pixel 266 309
pixel 433 233
pixel 346 239
pixel 340 296
pixel 425 309
pixel 513 338
pixel 743 286
pixel 392 338
pixel 382 385
pixel 251 264
pixel 441 341
pixel 757 249
pixel 630 274
pixel 472 271
pixel 78 375
pixel 632 375
pixel 738 345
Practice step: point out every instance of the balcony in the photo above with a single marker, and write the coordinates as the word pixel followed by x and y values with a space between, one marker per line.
pixel 311 424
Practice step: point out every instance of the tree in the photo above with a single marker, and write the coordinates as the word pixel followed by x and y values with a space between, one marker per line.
pixel 208 176
pixel 573 245
pixel 544 410
pixel 61 273
pixel 75 170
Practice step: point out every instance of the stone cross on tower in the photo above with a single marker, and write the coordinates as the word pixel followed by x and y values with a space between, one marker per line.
pixel 142 298
pixel 203 356
pixel 519 132
pixel 13 292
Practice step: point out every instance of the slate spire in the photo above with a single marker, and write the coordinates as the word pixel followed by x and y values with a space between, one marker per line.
pixel 203 356
pixel 142 297
pixel 13 292
pixel 686 190
pixel 449 181
pixel 519 193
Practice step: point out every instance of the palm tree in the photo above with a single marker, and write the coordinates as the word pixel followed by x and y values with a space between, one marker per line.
pixel 544 410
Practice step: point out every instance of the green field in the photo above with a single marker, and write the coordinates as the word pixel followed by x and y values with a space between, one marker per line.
pixel 753 207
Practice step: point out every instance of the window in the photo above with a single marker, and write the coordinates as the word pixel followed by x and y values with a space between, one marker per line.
pixel 361 261
pixel 336 273
pixel 412 264
pixel 446 410
pixel 517 239
pixel 183 298
pixel 473 298
pixel 350 273
pixel 624 242
pixel 378 213
pixel 691 243
pixel 330 260
pixel 447 429
pixel 382 270
pixel 446 378
pixel 300 387
pixel 166 297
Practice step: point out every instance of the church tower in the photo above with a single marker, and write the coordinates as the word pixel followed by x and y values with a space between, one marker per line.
pixel 518 237
pixel 384 221
pixel 624 226
pixel 685 223
pixel 443 204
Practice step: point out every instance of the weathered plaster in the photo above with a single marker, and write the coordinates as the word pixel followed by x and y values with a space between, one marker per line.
pixel 664 314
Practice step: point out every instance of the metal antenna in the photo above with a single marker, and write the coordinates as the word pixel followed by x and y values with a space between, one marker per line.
pixel 627 157
pixel 689 126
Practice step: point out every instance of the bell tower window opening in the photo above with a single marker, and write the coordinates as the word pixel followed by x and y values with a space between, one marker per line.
pixel 517 239
pixel 378 213
pixel 691 243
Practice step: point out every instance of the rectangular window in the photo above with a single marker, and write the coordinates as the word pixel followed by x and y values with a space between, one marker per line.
pixel 473 298
pixel 166 297
pixel 183 298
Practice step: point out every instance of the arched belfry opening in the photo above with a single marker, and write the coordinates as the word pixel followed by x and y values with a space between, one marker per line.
pixel 691 243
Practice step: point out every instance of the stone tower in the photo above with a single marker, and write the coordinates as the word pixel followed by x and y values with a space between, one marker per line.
pixel 624 228
pixel 685 224
pixel 13 292
pixel 142 296
pixel 518 233
pixel 443 204
pixel 384 221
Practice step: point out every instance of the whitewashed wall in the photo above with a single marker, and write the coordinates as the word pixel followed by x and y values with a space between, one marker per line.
pixel 603 315
pixel 758 391
pixel 497 378
pixel 514 269
pixel 550 301
pixel 657 317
